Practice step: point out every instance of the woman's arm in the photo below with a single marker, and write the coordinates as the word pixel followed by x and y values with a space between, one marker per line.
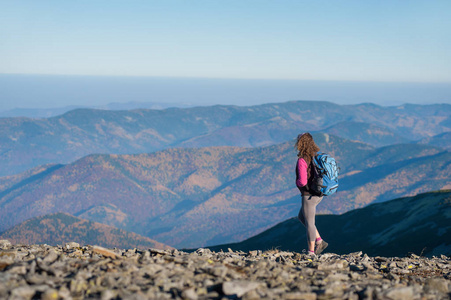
pixel 301 173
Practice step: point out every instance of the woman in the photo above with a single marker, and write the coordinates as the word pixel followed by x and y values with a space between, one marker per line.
pixel 307 149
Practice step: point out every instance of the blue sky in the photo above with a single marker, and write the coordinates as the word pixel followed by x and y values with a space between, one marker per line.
pixel 390 41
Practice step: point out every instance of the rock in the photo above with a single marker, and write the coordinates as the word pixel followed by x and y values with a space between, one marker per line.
pixel 434 285
pixel 104 252
pixel 46 272
pixel 51 257
pixel 17 269
pixel 380 259
pixel 71 245
pixel 251 295
pixel 190 294
pixel 8 255
pixel 5 244
pixel 281 259
pixel 157 251
pixel 108 294
pixel 356 268
pixel 368 266
pixel 355 254
pixel 23 292
pixel 300 296
pixel 203 252
pixel 4 265
pixel 336 264
pixel 49 294
pixel 239 288
pixel 326 256
pixel 402 293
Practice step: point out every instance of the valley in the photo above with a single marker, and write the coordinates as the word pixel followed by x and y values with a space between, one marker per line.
pixel 189 197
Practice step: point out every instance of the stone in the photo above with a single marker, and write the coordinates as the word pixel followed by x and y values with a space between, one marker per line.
pixel 17 269
pixel 356 268
pixel 104 252
pixel 71 245
pixel 380 259
pixel 46 272
pixel 300 296
pixel 5 244
pixel 368 266
pixel 251 295
pixel 190 294
pixel 355 254
pixel 434 285
pixel 4 264
pixel 108 294
pixel 157 251
pixel 326 256
pixel 8 255
pixel 334 289
pixel 49 294
pixel 239 288
pixel 51 257
pixel 401 293
pixel 23 292
pixel 336 264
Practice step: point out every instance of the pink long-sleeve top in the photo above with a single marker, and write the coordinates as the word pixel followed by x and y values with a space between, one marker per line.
pixel 301 173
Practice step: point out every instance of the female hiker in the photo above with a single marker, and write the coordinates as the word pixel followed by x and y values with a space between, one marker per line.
pixel 307 149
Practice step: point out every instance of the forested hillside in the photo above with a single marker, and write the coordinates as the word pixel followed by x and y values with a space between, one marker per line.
pixel 59 228
pixel 193 197
pixel 26 143
pixel 419 224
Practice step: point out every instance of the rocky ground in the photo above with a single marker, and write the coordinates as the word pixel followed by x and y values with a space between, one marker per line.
pixel 74 272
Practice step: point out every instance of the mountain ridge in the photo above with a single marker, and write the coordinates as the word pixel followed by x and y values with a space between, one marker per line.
pixel 60 228
pixel 419 224
pixel 27 143
pixel 172 195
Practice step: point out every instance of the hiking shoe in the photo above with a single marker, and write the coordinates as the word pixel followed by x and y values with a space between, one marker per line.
pixel 308 253
pixel 311 255
pixel 320 247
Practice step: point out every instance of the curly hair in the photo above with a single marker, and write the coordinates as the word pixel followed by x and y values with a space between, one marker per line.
pixel 306 147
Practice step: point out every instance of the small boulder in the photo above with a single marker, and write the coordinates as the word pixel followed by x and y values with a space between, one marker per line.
pixel 104 252
pixel 71 245
pixel 402 293
pixel 239 287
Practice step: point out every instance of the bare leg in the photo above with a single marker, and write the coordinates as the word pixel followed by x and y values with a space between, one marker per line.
pixel 311 246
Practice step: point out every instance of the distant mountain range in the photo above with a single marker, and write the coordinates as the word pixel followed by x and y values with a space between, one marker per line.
pixel 26 143
pixel 419 224
pixel 369 133
pixel 38 113
pixel 442 140
pixel 60 228
pixel 195 197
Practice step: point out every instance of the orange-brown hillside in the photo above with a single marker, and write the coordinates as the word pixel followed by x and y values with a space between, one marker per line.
pixel 207 196
pixel 60 228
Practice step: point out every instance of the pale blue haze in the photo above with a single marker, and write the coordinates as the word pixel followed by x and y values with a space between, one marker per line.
pixel 345 41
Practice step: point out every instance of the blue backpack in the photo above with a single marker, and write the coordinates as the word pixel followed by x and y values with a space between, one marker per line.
pixel 325 175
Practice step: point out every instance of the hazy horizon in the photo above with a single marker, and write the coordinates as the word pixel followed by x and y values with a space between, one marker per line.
pixel 92 53
pixel 53 91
